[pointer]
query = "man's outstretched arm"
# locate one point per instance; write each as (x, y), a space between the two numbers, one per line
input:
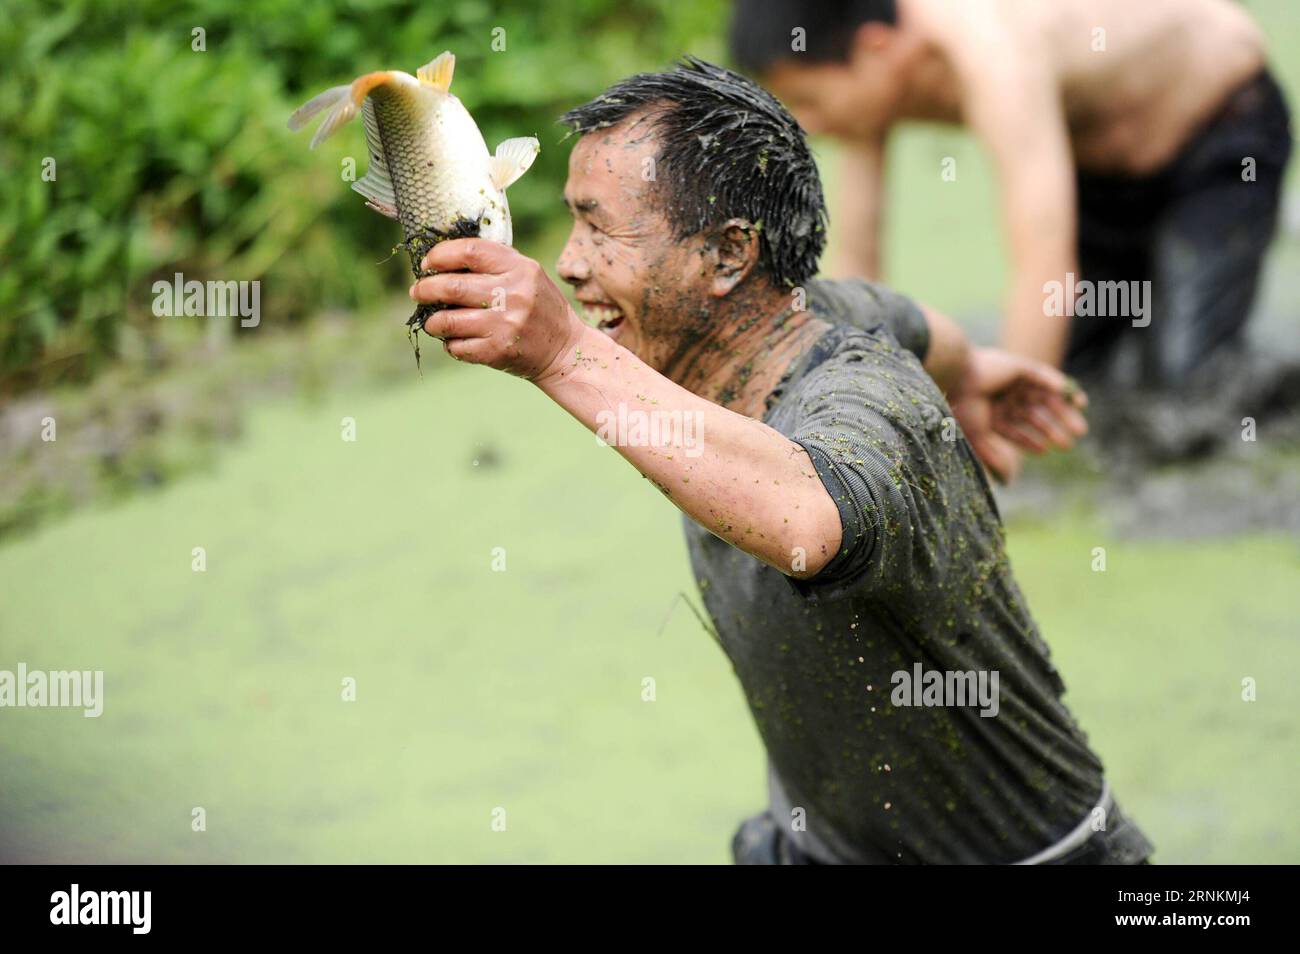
(739, 478)
(742, 480)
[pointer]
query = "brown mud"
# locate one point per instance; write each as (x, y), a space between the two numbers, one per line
(417, 246)
(1214, 461)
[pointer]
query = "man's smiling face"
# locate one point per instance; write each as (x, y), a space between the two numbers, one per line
(647, 289)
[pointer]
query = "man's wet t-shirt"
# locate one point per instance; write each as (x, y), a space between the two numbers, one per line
(921, 583)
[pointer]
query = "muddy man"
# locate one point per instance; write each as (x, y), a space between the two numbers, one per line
(837, 519)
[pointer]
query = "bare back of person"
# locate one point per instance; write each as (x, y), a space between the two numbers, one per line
(1117, 129)
(1136, 79)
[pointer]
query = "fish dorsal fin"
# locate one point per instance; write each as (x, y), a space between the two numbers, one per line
(376, 185)
(437, 72)
(513, 158)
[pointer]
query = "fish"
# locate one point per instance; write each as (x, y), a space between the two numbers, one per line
(429, 166)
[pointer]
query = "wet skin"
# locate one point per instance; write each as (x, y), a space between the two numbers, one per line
(696, 310)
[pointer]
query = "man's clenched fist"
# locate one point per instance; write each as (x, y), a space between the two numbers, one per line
(501, 308)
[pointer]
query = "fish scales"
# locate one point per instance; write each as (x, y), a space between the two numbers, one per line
(427, 191)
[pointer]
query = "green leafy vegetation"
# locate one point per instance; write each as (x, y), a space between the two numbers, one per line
(167, 158)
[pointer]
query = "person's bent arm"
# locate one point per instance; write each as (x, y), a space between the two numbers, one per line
(948, 353)
(1006, 403)
(859, 209)
(740, 479)
(1013, 103)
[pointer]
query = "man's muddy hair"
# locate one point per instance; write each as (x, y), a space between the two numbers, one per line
(727, 149)
(762, 31)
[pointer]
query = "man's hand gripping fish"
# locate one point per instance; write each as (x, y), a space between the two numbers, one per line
(429, 166)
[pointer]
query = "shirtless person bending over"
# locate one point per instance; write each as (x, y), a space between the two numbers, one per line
(1133, 142)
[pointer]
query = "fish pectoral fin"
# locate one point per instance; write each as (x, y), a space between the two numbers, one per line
(378, 189)
(382, 209)
(512, 160)
(379, 192)
(377, 184)
(437, 72)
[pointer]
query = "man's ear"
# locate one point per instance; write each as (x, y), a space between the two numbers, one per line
(871, 38)
(734, 255)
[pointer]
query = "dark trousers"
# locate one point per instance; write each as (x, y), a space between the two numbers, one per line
(1198, 231)
(761, 841)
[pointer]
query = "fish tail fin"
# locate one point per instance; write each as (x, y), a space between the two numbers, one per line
(343, 103)
(307, 110)
(341, 112)
(513, 158)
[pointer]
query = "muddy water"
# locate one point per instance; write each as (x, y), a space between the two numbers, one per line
(1213, 462)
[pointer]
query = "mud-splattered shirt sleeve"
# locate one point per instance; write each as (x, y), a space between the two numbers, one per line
(847, 421)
